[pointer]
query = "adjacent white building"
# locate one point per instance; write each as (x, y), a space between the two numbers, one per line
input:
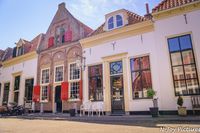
(19, 72)
(130, 54)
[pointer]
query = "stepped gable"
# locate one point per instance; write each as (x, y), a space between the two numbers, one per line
(64, 19)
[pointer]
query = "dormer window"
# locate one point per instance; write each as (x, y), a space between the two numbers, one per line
(119, 20)
(111, 23)
(19, 50)
(115, 21)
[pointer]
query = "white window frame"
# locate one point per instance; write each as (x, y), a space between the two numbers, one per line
(41, 75)
(73, 80)
(115, 21)
(17, 91)
(122, 20)
(46, 100)
(55, 73)
(44, 84)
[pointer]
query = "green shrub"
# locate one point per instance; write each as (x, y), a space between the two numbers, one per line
(151, 93)
(180, 101)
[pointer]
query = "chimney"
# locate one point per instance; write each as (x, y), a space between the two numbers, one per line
(61, 5)
(148, 14)
(147, 8)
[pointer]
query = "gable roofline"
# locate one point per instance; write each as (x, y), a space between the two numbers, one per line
(61, 6)
(133, 18)
(170, 4)
(163, 11)
(119, 33)
(29, 47)
(19, 59)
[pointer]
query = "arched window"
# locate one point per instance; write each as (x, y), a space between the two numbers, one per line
(111, 23)
(119, 20)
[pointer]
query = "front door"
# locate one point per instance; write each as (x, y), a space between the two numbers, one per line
(58, 100)
(117, 88)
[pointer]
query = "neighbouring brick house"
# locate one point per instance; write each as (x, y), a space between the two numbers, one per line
(58, 78)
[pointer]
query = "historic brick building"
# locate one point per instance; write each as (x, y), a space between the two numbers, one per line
(59, 80)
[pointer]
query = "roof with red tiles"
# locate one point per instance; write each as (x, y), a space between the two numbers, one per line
(169, 4)
(7, 54)
(133, 18)
(28, 47)
(35, 43)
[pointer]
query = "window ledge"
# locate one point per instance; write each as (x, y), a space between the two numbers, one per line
(44, 101)
(134, 99)
(74, 100)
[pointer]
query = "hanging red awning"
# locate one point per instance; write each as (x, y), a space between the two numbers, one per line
(36, 93)
(64, 91)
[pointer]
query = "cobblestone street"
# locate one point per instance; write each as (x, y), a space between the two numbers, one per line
(109, 124)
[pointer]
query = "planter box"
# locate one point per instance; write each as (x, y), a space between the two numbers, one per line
(154, 111)
(72, 112)
(182, 111)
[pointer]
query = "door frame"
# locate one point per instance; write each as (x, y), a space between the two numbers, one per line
(54, 96)
(111, 94)
(106, 81)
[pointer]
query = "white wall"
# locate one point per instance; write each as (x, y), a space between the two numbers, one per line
(135, 46)
(28, 69)
(170, 27)
(155, 44)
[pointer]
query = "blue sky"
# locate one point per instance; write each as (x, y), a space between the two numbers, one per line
(28, 18)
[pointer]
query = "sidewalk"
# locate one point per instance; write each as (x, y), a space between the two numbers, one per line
(126, 119)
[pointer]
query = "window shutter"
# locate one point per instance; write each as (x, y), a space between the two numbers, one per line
(36, 93)
(14, 51)
(80, 89)
(64, 91)
(50, 42)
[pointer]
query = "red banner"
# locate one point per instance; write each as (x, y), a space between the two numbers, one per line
(64, 91)
(51, 42)
(81, 90)
(36, 93)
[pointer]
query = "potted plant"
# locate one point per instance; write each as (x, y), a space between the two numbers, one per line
(181, 110)
(153, 110)
(72, 111)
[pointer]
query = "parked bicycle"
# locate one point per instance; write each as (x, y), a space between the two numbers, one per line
(12, 109)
